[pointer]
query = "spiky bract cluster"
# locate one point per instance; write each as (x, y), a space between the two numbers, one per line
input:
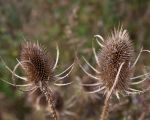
(35, 62)
(117, 49)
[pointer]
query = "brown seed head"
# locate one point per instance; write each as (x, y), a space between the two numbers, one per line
(117, 49)
(35, 62)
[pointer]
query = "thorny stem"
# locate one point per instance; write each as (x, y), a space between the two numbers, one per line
(48, 94)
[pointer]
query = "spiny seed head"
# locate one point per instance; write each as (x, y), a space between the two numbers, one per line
(35, 62)
(117, 49)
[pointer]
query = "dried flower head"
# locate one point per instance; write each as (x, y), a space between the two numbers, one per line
(117, 49)
(39, 70)
(115, 63)
(36, 63)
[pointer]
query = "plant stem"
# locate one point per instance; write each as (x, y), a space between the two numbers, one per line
(48, 94)
(105, 108)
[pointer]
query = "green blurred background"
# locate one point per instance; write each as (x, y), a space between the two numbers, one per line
(72, 24)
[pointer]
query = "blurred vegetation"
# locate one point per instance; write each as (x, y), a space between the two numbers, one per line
(72, 24)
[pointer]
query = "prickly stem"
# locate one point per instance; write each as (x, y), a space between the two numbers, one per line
(48, 94)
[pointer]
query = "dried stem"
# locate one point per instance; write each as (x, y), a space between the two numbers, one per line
(48, 94)
(105, 108)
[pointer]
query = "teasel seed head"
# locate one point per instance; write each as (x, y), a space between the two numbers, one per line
(39, 70)
(35, 62)
(117, 49)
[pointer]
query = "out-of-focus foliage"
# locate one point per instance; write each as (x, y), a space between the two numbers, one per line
(72, 24)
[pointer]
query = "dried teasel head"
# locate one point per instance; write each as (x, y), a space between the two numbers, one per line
(36, 63)
(38, 66)
(115, 64)
(39, 70)
(117, 50)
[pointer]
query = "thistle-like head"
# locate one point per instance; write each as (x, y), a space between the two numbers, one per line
(35, 62)
(117, 49)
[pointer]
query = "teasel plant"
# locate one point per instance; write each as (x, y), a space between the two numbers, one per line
(39, 71)
(115, 67)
